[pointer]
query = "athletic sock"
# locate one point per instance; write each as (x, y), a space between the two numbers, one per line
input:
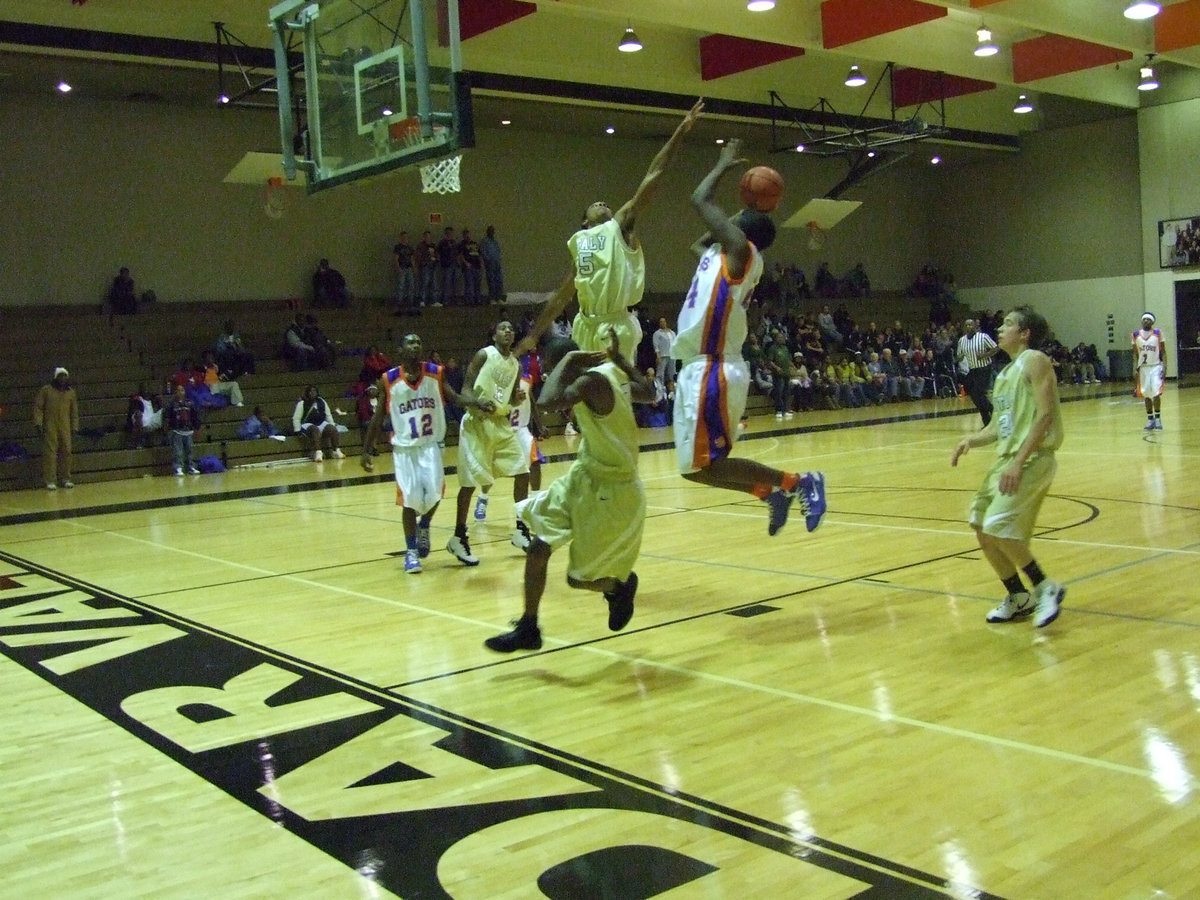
(1013, 584)
(1034, 571)
(423, 522)
(411, 542)
(791, 481)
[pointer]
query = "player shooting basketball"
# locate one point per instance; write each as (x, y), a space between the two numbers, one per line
(710, 392)
(609, 273)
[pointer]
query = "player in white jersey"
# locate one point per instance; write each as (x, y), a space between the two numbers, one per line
(413, 399)
(529, 431)
(487, 444)
(609, 270)
(1150, 363)
(710, 392)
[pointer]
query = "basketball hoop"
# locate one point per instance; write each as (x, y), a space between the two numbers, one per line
(274, 204)
(441, 177)
(816, 236)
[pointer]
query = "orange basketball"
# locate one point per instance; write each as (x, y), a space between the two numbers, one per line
(760, 188)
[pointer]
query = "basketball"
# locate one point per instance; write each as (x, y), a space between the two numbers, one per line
(760, 188)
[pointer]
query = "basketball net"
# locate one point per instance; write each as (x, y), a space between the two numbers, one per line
(274, 204)
(440, 176)
(816, 236)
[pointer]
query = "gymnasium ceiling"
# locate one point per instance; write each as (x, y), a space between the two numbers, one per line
(554, 65)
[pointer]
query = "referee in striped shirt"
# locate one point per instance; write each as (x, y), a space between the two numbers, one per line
(975, 352)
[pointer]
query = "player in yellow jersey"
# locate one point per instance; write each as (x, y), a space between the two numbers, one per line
(487, 445)
(609, 268)
(1026, 427)
(598, 506)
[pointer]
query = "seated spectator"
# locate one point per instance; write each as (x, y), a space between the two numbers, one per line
(257, 425)
(658, 413)
(375, 363)
(144, 417)
(326, 349)
(829, 331)
(1084, 368)
(887, 365)
(329, 287)
(823, 391)
(826, 285)
(854, 389)
(313, 421)
(802, 397)
(232, 355)
(856, 283)
(299, 353)
(218, 382)
(912, 383)
(121, 297)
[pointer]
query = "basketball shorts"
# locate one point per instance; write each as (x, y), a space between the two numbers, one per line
(529, 445)
(710, 397)
(1012, 516)
(488, 449)
(420, 476)
(1150, 381)
(591, 332)
(601, 519)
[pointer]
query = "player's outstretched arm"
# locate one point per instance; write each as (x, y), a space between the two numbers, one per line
(571, 383)
(641, 387)
(627, 215)
(552, 310)
(721, 228)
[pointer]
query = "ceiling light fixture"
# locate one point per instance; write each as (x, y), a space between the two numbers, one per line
(610, 130)
(855, 78)
(64, 88)
(799, 148)
(760, 5)
(1023, 106)
(1142, 9)
(629, 43)
(1148, 81)
(223, 99)
(986, 46)
(506, 121)
(935, 161)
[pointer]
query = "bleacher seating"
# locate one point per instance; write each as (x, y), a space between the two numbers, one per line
(112, 357)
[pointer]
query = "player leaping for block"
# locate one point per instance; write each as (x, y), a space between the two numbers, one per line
(609, 273)
(710, 392)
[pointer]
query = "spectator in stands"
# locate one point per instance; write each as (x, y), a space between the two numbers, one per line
(447, 260)
(364, 411)
(823, 391)
(912, 382)
(121, 296)
(56, 417)
(778, 357)
(143, 418)
(664, 366)
(218, 382)
(856, 283)
(452, 374)
(829, 331)
(313, 421)
(329, 287)
(406, 276)
(756, 362)
(855, 383)
(425, 260)
(257, 425)
(561, 327)
(182, 418)
(299, 353)
(232, 355)
(826, 285)
(375, 363)
(802, 399)
(326, 351)
(489, 249)
(471, 260)
(887, 365)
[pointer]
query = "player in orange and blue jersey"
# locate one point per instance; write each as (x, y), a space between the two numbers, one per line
(710, 392)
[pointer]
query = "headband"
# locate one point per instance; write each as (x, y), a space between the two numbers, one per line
(1149, 316)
